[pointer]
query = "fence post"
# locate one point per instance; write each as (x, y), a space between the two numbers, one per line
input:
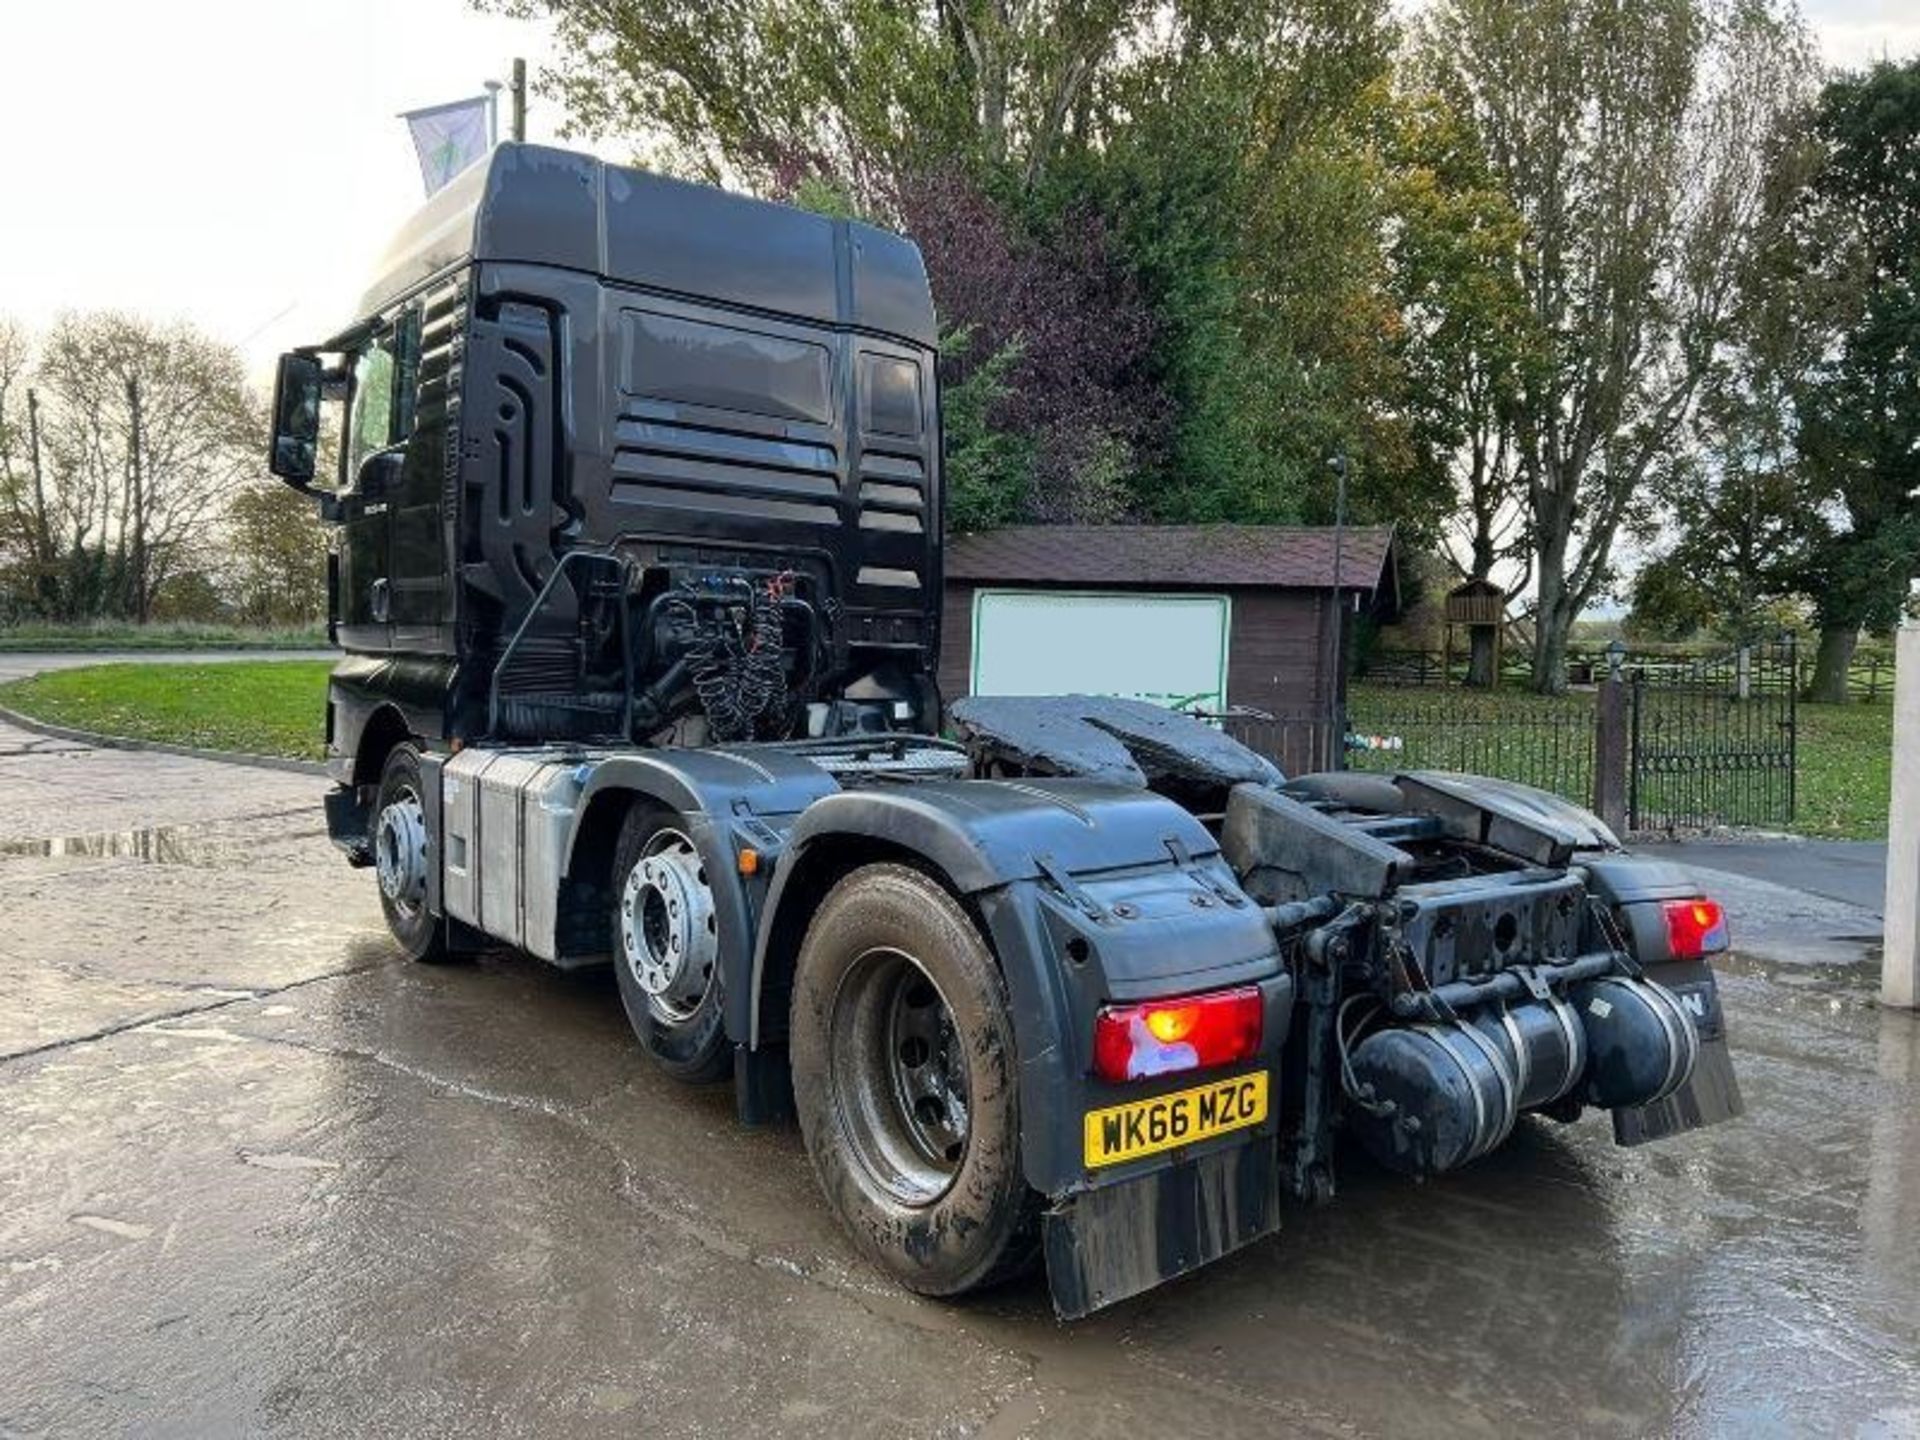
(1610, 745)
(1900, 959)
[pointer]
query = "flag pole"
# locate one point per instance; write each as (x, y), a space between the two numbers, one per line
(493, 113)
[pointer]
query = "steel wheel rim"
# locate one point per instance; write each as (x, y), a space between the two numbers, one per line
(900, 1076)
(669, 933)
(400, 852)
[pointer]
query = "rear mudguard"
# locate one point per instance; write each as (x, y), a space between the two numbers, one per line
(1634, 889)
(1089, 893)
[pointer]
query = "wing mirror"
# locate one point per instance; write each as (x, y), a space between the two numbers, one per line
(296, 419)
(298, 385)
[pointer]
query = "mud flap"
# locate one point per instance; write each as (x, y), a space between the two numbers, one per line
(347, 824)
(1709, 1096)
(1711, 1093)
(1105, 1245)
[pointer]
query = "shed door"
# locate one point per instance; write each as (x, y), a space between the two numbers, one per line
(1171, 649)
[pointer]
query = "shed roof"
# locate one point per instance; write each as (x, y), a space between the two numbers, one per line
(1299, 557)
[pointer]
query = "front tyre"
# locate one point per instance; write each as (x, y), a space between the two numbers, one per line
(400, 857)
(905, 1081)
(666, 947)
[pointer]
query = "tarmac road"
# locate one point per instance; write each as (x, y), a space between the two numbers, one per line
(259, 1175)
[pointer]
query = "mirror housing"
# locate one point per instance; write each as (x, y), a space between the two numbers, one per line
(296, 418)
(299, 384)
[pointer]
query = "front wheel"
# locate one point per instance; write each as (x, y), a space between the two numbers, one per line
(666, 947)
(905, 1081)
(400, 857)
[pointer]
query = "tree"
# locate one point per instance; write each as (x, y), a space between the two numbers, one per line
(112, 515)
(1157, 220)
(755, 90)
(1632, 138)
(277, 557)
(1055, 332)
(1240, 173)
(25, 544)
(1858, 402)
(1468, 342)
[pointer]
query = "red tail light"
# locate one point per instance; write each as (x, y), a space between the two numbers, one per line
(1695, 928)
(1164, 1037)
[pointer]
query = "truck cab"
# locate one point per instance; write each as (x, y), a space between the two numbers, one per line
(561, 354)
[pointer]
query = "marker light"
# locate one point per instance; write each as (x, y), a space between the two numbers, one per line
(1164, 1037)
(1695, 928)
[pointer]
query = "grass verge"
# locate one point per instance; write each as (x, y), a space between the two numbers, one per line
(44, 638)
(1845, 771)
(258, 707)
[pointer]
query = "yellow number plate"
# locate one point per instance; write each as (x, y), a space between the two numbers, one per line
(1145, 1127)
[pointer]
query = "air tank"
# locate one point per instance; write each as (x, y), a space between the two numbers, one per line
(1443, 1093)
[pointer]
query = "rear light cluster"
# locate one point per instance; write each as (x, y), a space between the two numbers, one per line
(1165, 1037)
(1695, 928)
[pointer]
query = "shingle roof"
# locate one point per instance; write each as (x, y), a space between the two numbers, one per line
(1286, 556)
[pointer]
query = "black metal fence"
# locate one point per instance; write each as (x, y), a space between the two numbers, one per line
(1715, 744)
(1539, 742)
(1710, 741)
(1545, 743)
(1869, 674)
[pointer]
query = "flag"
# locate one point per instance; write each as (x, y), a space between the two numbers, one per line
(450, 137)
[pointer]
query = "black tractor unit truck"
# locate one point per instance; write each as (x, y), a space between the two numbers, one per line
(637, 578)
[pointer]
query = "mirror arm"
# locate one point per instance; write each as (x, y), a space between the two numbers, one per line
(332, 512)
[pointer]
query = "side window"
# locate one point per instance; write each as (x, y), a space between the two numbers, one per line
(370, 421)
(406, 372)
(385, 376)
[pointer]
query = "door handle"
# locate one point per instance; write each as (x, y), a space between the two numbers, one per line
(382, 600)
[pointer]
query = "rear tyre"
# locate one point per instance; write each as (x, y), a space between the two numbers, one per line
(906, 1085)
(400, 857)
(666, 947)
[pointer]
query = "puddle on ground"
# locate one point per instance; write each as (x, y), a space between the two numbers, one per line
(155, 845)
(1862, 975)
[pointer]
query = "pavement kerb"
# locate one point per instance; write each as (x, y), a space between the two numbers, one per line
(162, 747)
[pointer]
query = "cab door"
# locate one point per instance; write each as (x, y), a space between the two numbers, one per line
(380, 403)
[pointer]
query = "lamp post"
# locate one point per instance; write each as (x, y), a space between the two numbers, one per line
(1337, 669)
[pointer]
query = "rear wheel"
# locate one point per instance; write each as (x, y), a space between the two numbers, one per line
(400, 857)
(906, 1086)
(666, 947)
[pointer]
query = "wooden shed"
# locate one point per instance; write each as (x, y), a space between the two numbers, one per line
(1197, 616)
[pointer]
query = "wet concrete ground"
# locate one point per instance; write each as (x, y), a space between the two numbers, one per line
(258, 1175)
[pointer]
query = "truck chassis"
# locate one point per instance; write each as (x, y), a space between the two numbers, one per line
(924, 964)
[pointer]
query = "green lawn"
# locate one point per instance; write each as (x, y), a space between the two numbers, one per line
(1845, 771)
(261, 707)
(119, 635)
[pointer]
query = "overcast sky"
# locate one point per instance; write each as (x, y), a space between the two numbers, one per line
(239, 163)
